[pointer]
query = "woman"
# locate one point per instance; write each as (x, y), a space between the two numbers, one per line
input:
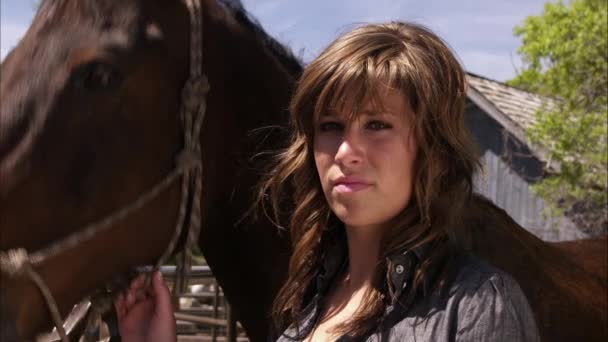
(381, 168)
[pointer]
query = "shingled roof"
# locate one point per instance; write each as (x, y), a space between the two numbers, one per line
(513, 108)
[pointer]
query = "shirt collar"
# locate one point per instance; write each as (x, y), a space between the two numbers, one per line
(334, 260)
(402, 263)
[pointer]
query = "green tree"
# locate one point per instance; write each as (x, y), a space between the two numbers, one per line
(565, 58)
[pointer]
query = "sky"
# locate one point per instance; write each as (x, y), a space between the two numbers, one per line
(480, 32)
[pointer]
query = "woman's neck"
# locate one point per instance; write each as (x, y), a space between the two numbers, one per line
(363, 255)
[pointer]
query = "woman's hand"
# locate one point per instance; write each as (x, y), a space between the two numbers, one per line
(146, 314)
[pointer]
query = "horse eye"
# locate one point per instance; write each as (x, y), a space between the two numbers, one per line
(99, 76)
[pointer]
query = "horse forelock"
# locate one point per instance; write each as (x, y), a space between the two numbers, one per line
(68, 24)
(107, 13)
(97, 10)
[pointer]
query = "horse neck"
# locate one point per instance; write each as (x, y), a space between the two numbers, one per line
(250, 90)
(242, 69)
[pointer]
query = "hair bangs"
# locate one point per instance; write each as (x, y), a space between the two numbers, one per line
(349, 90)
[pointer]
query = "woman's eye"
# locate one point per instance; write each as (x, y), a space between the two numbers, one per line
(330, 126)
(377, 125)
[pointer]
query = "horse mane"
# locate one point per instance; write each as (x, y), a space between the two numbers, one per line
(282, 52)
(102, 13)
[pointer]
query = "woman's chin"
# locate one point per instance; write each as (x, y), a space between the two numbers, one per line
(355, 220)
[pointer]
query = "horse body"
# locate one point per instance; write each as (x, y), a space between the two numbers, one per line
(89, 121)
(564, 282)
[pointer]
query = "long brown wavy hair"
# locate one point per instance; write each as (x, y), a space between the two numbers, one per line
(352, 69)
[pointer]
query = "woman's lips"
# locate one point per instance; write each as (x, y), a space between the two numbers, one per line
(350, 187)
(346, 184)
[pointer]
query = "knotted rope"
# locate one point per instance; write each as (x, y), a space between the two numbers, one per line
(194, 105)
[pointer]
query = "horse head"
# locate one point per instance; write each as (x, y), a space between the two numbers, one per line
(89, 121)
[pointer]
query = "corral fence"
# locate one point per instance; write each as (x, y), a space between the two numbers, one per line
(202, 312)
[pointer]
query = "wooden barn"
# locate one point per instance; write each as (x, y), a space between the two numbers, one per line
(497, 114)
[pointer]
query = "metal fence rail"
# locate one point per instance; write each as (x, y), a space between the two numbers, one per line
(203, 314)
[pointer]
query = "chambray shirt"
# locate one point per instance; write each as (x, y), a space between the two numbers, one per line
(482, 303)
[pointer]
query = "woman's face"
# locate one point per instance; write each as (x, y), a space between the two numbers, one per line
(366, 166)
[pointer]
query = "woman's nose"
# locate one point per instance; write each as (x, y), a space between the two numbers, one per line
(350, 150)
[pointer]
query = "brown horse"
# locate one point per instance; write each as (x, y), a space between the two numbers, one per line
(89, 121)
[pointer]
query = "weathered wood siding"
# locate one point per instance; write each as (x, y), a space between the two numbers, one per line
(509, 170)
(513, 194)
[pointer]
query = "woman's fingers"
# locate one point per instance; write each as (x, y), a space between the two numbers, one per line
(129, 298)
(119, 306)
(161, 291)
(135, 293)
(138, 282)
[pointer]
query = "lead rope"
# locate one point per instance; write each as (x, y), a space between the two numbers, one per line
(194, 105)
(189, 165)
(193, 114)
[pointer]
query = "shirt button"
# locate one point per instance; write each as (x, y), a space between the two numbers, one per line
(399, 269)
